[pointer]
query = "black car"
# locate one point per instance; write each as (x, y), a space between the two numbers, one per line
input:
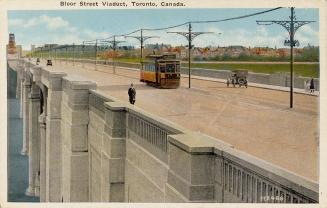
(238, 78)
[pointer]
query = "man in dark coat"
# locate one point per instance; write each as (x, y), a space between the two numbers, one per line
(312, 86)
(132, 94)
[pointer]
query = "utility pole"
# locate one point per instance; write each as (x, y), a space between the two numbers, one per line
(82, 54)
(142, 39)
(190, 36)
(114, 43)
(291, 26)
(66, 53)
(73, 54)
(96, 53)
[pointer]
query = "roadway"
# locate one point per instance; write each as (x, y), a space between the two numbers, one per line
(254, 120)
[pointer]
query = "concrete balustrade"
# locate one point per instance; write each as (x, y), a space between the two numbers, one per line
(87, 146)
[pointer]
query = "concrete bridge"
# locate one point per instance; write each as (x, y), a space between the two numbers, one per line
(85, 146)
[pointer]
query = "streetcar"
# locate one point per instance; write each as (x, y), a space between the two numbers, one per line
(162, 71)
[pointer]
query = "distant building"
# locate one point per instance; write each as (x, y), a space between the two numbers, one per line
(11, 47)
(13, 51)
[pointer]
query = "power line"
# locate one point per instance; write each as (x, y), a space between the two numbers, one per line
(239, 17)
(199, 22)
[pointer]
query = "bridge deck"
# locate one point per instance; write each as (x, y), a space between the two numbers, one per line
(257, 121)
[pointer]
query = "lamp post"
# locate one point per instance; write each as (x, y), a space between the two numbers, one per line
(291, 26)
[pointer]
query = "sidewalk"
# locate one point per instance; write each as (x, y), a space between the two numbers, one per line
(271, 87)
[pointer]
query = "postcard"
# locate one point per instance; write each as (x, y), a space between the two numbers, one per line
(163, 103)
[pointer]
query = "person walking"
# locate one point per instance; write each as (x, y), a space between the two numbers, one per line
(132, 94)
(312, 86)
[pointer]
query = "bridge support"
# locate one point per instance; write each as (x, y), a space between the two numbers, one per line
(75, 155)
(43, 171)
(34, 158)
(53, 139)
(25, 101)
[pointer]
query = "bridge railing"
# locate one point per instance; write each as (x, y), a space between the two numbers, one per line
(151, 132)
(236, 176)
(177, 164)
(249, 179)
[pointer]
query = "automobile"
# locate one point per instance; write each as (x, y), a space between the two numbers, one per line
(238, 77)
(49, 62)
(37, 61)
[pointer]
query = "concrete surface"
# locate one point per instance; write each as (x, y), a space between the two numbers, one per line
(255, 120)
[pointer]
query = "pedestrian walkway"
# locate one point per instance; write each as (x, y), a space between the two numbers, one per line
(17, 164)
(265, 86)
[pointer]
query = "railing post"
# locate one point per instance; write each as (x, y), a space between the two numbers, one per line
(113, 152)
(191, 170)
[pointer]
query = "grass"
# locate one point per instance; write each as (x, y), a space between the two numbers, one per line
(305, 70)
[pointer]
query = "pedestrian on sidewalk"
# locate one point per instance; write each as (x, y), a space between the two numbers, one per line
(306, 85)
(132, 94)
(312, 85)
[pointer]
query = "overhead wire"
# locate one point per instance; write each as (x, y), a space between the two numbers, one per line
(185, 23)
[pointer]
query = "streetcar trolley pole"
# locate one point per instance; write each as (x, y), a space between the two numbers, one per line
(291, 26)
(190, 36)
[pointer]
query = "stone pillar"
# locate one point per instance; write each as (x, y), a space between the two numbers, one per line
(25, 101)
(75, 156)
(53, 138)
(21, 103)
(34, 162)
(42, 119)
(113, 153)
(19, 70)
(191, 170)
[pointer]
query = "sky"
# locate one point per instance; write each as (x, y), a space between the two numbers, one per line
(75, 26)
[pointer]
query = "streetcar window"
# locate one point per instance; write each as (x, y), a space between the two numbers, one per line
(170, 68)
(178, 69)
(149, 67)
(162, 68)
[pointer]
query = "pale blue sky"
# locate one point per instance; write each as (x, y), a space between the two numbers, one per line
(74, 26)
